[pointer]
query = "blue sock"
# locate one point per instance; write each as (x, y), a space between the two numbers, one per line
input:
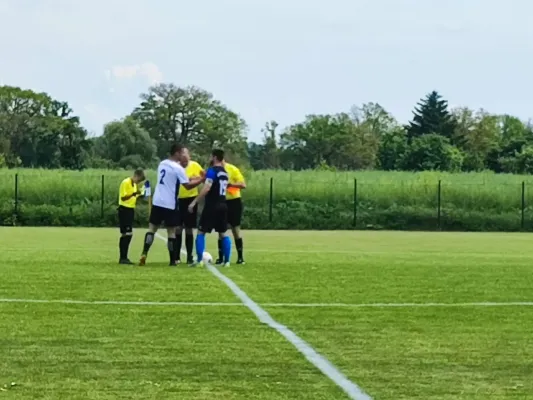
(226, 248)
(200, 246)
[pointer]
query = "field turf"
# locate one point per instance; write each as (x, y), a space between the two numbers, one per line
(423, 342)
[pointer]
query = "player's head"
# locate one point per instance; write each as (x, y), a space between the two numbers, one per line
(185, 157)
(138, 176)
(217, 156)
(178, 152)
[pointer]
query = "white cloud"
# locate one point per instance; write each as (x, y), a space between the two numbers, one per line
(148, 70)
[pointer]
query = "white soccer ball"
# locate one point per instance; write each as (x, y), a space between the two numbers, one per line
(207, 258)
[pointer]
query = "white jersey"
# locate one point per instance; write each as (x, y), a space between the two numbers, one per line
(170, 175)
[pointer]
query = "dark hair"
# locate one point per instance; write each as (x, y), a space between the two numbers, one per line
(218, 154)
(176, 148)
(139, 172)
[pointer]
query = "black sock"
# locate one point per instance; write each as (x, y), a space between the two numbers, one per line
(179, 239)
(171, 245)
(238, 246)
(220, 251)
(127, 241)
(148, 240)
(121, 246)
(189, 244)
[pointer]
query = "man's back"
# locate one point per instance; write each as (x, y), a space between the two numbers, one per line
(218, 177)
(170, 175)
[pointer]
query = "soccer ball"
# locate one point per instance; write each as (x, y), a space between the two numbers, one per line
(207, 259)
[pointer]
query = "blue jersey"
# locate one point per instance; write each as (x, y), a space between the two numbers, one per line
(218, 177)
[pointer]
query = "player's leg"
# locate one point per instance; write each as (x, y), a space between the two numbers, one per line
(190, 224)
(230, 208)
(156, 218)
(179, 240)
(172, 218)
(234, 220)
(125, 218)
(179, 230)
(221, 226)
(204, 226)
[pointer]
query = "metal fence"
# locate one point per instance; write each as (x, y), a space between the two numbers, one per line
(276, 203)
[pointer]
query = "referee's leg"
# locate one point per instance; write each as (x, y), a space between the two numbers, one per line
(125, 218)
(234, 219)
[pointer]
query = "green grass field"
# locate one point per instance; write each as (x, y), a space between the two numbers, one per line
(325, 286)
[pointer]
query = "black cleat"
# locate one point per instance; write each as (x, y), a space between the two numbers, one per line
(125, 261)
(173, 264)
(219, 261)
(240, 261)
(190, 261)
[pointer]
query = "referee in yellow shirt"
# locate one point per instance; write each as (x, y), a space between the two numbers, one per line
(235, 209)
(127, 199)
(188, 220)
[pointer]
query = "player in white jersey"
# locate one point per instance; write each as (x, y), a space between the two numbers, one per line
(170, 175)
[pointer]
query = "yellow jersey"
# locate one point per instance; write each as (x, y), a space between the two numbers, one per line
(127, 187)
(193, 170)
(235, 176)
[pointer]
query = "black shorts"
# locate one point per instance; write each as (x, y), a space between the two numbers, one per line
(214, 217)
(158, 215)
(125, 219)
(234, 212)
(187, 219)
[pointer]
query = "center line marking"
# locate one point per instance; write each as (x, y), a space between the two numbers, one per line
(353, 391)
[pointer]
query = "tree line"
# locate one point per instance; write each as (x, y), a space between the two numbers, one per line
(39, 131)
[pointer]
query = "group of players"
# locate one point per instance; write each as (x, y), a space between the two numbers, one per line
(175, 203)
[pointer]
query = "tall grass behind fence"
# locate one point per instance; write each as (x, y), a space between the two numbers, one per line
(292, 200)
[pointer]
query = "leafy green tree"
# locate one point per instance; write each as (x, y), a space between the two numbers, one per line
(190, 116)
(270, 154)
(432, 152)
(375, 117)
(334, 140)
(521, 162)
(431, 116)
(392, 149)
(477, 134)
(38, 131)
(255, 153)
(513, 136)
(126, 144)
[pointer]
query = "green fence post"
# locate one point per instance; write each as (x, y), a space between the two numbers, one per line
(16, 209)
(523, 220)
(271, 200)
(355, 202)
(102, 199)
(439, 191)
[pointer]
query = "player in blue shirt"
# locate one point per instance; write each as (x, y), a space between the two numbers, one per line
(215, 212)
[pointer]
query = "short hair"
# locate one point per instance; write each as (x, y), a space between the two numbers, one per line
(176, 148)
(218, 154)
(139, 172)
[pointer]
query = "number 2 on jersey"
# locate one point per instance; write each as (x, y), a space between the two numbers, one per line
(163, 173)
(223, 187)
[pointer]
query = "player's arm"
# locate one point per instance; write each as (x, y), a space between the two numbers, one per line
(239, 181)
(185, 181)
(210, 176)
(193, 183)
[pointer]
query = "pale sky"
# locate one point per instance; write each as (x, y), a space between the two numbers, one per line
(272, 59)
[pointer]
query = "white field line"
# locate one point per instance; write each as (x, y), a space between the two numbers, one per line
(278, 305)
(353, 391)
(399, 305)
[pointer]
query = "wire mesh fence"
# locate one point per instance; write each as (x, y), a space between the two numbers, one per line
(277, 203)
